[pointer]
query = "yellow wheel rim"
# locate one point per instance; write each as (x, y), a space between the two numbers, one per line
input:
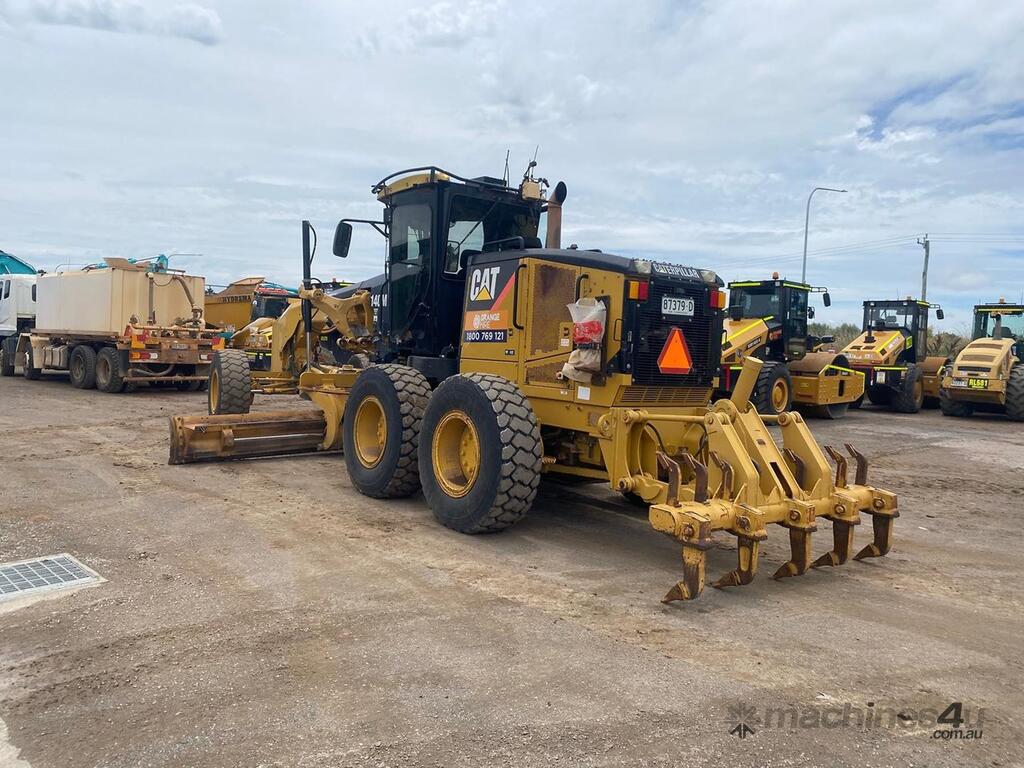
(780, 395)
(456, 454)
(370, 432)
(214, 391)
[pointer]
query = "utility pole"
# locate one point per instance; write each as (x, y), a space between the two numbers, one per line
(926, 244)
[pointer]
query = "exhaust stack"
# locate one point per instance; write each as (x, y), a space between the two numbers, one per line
(553, 238)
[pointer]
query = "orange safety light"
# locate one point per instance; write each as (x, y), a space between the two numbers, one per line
(675, 355)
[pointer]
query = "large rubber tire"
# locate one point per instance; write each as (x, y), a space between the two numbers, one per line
(381, 430)
(910, 396)
(109, 377)
(1015, 393)
(506, 460)
(230, 387)
(773, 391)
(31, 372)
(856, 404)
(879, 395)
(82, 367)
(7, 355)
(951, 407)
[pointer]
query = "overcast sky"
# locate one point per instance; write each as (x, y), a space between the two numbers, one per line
(685, 131)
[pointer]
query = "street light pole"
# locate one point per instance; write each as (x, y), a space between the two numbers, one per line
(807, 224)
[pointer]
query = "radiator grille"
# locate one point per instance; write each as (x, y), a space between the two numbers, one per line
(652, 396)
(651, 331)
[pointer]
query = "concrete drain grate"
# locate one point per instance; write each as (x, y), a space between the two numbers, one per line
(43, 574)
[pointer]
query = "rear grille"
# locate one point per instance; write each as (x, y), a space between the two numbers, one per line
(652, 396)
(650, 331)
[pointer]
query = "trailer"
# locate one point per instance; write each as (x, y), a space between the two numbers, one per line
(115, 327)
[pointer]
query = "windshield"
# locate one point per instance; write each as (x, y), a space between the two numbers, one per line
(888, 318)
(1009, 325)
(755, 302)
(472, 222)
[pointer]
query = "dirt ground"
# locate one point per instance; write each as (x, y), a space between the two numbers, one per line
(262, 613)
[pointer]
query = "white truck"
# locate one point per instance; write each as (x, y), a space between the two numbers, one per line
(116, 326)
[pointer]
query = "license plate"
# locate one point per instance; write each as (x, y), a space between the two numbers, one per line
(179, 346)
(959, 382)
(673, 305)
(977, 383)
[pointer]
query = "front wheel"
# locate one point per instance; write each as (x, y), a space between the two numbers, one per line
(773, 392)
(480, 453)
(230, 383)
(7, 353)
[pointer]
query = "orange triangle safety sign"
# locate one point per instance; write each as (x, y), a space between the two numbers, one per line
(675, 355)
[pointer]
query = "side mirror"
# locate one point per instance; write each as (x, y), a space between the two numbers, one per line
(826, 299)
(342, 239)
(810, 313)
(939, 314)
(736, 312)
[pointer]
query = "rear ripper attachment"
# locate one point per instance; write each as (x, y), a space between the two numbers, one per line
(744, 482)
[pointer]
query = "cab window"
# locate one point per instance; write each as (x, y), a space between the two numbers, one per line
(472, 222)
(411, 231)
(7, 288)
(755, 303)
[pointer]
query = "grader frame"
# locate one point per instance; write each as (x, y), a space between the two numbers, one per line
(479, 438)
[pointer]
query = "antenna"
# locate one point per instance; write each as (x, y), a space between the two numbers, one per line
(505, 177)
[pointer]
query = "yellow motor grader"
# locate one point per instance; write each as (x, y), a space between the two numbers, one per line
(988, 374)
(768, 320)
(891, 352)
(286, 346)
(499, 360)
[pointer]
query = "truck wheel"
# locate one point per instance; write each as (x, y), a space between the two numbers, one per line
(7, 354)
(31, 372)
(230, 389)
(381, 430)
(1015, 393)
(879, 395)
(951, 407)
(773, 392)
(910, 396)
(108, 371)
(82, 367)
(480, 453)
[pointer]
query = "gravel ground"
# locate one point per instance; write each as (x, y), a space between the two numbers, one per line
(262, 613)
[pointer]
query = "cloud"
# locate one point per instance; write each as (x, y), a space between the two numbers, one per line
(440, 25)
(184, 20)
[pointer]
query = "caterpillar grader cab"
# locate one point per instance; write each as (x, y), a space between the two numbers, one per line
(768, 320)
(497, 361)
(892, 354)
(988, 374)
